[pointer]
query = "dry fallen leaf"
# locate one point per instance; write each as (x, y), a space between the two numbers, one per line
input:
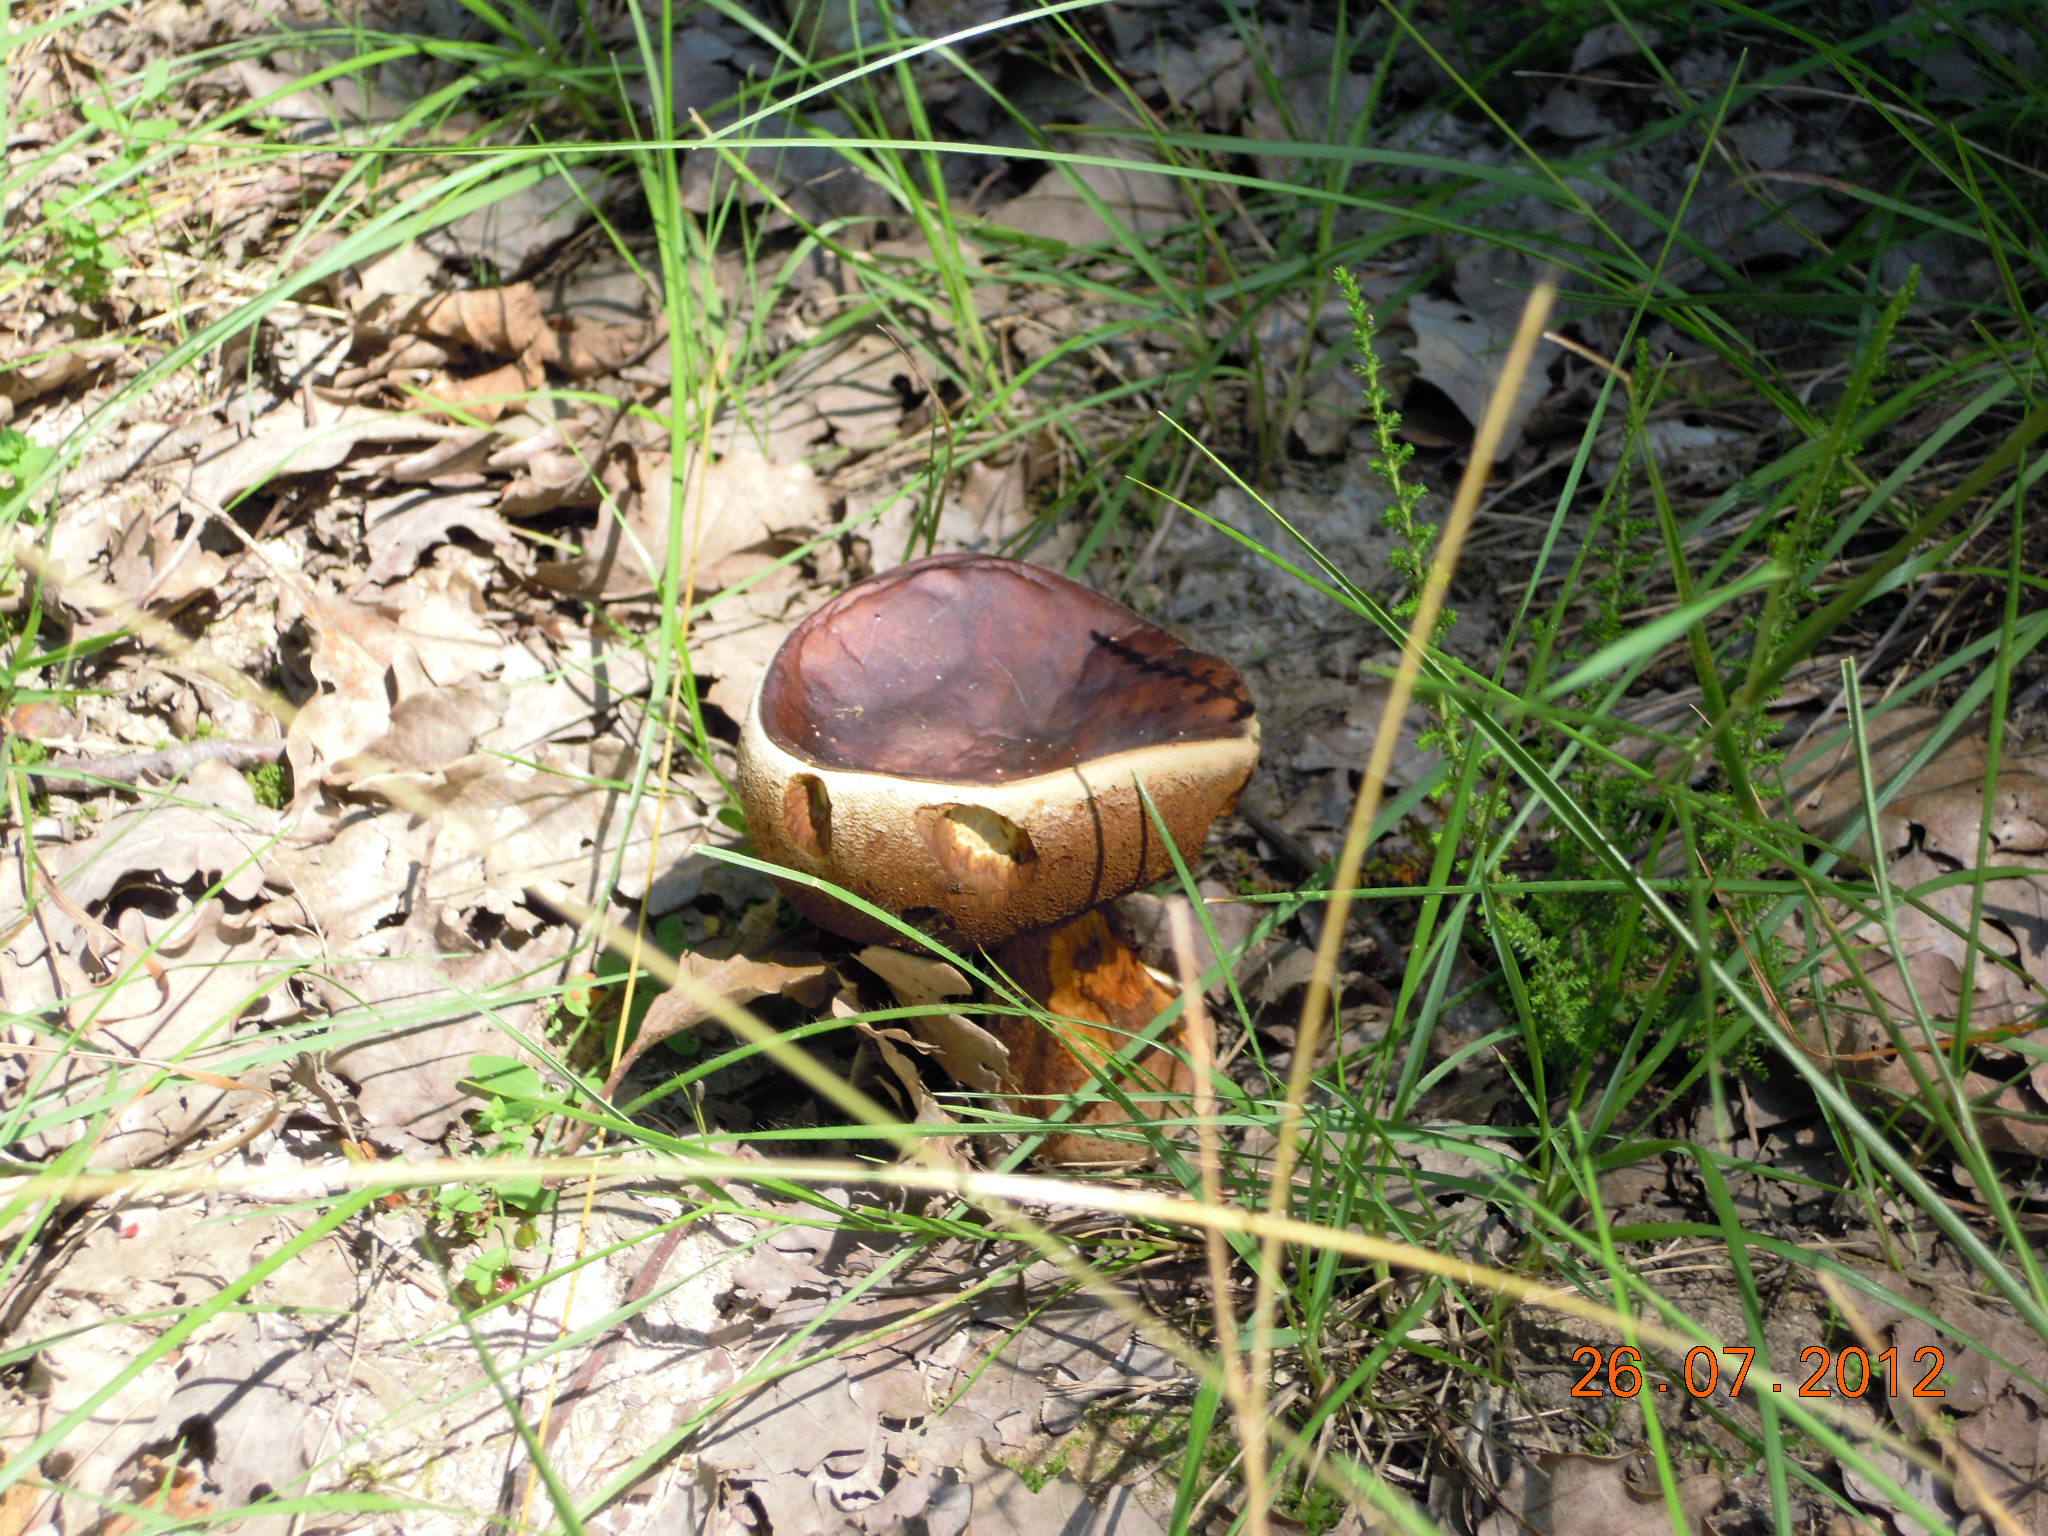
(242, 1421)
(1998, 1416)
(1874, 990)
(414, 1001)
(218, 972)
(399, 529)
(431, 630)
(1056, 208)
(296, 441)
(972, 1056)
(1005, 1505)
(1463, 353)
(738, 515)
(738, 979)
(1567, 1494)
(213, 829)
(513, 322)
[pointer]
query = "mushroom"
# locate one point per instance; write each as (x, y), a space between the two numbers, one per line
(959, 742)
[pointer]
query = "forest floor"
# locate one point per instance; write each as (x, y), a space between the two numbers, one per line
(418, 431)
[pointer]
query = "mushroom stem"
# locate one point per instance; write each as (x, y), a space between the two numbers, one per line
(1100, 994)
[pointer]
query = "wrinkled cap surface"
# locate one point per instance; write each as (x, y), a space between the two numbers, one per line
(974, 669)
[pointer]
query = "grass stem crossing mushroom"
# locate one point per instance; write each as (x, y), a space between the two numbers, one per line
(960, 741)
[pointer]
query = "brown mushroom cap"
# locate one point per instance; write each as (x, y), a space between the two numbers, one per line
(959, 741)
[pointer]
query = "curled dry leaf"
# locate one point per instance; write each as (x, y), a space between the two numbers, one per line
(738, 979)
(212, 830)
(41, 354)
(296, 440)
(553, 824)
(243, 1414)
(1878, 981)
(972, 1056)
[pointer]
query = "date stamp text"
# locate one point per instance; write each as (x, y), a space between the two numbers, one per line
(1848, 1372)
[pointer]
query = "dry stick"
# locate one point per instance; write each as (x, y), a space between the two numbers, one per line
(1202, 1057)
(168, 762)
(1344, 879)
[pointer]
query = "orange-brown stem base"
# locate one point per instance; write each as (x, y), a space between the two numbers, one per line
(1099, 994)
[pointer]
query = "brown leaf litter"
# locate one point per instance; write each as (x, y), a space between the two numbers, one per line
(1987, 1426)
(1874, 991)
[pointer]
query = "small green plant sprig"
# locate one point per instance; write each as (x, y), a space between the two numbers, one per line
(1390, 457)
(500, 1220)
(84, 225)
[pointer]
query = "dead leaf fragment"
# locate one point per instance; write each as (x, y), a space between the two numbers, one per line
(972, 1056)
(408, 1072)
(513, 322)
(738, 515)
(1463, 353)
(1567, 1494)
(1878, 980)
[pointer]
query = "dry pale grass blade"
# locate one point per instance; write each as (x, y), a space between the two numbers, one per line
(1315, 1006)
(1202, 1058)
(1001, 1195)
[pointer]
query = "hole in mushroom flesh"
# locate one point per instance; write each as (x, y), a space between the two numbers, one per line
(807, 815)
(980, 850)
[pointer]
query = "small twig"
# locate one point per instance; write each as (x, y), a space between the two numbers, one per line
(166, 762)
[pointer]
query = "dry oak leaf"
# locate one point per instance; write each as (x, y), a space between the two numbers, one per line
(208, 828)
(735, 642)
(1005, 1505)
(553, 823)
(1075, 205)
(218, 974)
(1463, 354)
(56, 353)
(405, 1025)
(511, 322)
(398, 530)
(126, 550)
(1876, 980)
(243, 1419)
(1990, 1386)
(431, 630)
(738, 979)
